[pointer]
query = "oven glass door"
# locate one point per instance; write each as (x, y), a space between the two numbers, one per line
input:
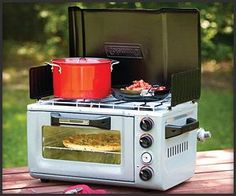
(82, 145)
(77, 143)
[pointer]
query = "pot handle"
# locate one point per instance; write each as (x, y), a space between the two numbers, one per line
(82, 59)
(54, 65)
(114, 62)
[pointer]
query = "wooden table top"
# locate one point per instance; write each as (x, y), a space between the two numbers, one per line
(213, 174)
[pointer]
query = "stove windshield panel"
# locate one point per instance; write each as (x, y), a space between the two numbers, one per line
(77, 143)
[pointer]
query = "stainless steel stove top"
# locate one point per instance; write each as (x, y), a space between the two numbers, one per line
(108, 102)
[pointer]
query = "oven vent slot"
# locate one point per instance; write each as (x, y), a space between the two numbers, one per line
(177, 149)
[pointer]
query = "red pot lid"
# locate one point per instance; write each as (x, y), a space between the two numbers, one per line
(81, 60)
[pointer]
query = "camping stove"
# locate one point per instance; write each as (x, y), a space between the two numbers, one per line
(121, 139)
(157, 144)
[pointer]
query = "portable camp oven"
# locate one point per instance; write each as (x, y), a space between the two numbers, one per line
(141, 142)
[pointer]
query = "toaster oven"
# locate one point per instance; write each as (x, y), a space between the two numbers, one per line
(157, 149)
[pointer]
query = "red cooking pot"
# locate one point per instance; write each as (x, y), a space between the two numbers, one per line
(82, 78)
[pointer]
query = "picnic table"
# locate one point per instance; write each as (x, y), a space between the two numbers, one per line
(213, 174)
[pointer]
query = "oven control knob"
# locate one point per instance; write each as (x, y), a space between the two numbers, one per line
(145, 141)
(146, 124)
(145, 174)
(146, 158)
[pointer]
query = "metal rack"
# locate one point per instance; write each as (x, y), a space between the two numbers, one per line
(71, 149)
(109, 102)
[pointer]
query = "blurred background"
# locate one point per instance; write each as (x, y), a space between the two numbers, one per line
(37, 32)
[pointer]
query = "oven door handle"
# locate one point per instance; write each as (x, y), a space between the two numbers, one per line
(99, 121)
(175, 130)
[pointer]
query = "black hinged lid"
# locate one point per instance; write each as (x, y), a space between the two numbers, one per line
(152, 45)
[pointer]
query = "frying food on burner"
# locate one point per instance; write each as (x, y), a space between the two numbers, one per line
(139, 85)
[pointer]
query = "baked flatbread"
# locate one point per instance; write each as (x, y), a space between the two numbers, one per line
(94, 142)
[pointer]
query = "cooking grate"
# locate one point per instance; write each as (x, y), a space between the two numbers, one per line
(109, 102)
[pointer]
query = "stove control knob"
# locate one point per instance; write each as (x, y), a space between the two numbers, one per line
(146, 124)
(146, 158)
(145, 174)
(145, 141)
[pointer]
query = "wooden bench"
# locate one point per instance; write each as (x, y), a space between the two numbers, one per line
(213, 174)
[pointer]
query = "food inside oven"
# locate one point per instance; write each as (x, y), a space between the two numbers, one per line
(82, 144)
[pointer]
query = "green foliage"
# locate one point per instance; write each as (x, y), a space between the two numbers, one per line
(20, 22)
(55, 28)
(25, 55)
(216, 30)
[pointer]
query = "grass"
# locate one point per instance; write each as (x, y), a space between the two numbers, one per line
(216, 115)
(14, 127)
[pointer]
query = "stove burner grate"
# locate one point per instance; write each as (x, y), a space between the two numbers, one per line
(108, 102)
